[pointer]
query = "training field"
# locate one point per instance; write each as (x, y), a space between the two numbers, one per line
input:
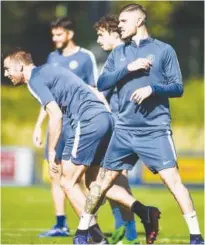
(28, 211)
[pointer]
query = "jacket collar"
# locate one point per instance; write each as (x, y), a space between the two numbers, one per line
(142, 42)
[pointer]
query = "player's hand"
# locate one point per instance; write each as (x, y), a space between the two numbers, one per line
(54, 167)
(37, 140)
(51, 159)
(138, 64)
(141, 94)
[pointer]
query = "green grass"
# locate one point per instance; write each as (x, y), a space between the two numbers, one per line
(26, 212)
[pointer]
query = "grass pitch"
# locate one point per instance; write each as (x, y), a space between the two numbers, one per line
(28, 211)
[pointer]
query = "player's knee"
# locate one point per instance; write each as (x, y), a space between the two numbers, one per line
(180, 188)
(175, 184)
(54, 177)
(55, 173)
(67, 185)
(105, 177)
(106, 185)
(62, 182)
(69, 182)
(110, 179)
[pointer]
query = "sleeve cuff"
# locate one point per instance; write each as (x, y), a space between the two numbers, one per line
(125, 70)
(153, 89)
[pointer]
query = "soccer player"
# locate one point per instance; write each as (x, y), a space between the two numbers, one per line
(82, 62)
(109, 38)
(147, 73)
(67, 54)
(60, 91)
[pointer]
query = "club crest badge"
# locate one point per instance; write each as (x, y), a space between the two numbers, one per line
(151, 57)
(73, 64)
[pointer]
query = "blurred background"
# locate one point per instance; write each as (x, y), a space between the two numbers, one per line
(26, 24)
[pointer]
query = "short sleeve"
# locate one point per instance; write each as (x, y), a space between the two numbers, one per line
(90, 69)
(40, 91)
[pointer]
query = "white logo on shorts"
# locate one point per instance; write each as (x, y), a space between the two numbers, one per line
(165, 163)
(73, 64)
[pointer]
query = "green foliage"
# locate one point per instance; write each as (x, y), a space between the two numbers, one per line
(18, 104)
(159, 15)
(189, 110)
(20, 111)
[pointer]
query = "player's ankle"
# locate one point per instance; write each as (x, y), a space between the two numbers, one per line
(96, 233)
(195, 236)
(192, 223)
(139, 209)
(81, 232)
(130, 230)
(85, 221)
(61, 220)
(118, 217)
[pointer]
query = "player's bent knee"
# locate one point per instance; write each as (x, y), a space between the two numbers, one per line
(67, 185)
(106, 176)
(73, 172)
(105, 186)
(54, 177)
(174, 183)
(179, 187)
(170, 176)
(62, 182)
(110, 178)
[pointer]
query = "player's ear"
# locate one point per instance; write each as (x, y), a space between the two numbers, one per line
(116, 35)
(21, 66)
(70, 34)
(141, 21)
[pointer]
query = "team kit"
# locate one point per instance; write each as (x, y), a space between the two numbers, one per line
(100, 125)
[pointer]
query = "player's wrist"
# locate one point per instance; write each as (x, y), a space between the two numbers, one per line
(152, 88)
(51, 155)
(130, 67)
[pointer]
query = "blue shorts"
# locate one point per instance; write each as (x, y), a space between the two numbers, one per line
(66, 136)
(156, 150)
(90, 141)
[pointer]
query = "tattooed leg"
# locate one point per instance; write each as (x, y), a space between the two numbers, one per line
(98, 189)
(93, 198)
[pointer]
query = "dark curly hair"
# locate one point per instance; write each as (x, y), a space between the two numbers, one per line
(109, 23)
(63, 22)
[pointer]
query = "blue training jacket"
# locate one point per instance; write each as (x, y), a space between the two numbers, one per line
(164, 77)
